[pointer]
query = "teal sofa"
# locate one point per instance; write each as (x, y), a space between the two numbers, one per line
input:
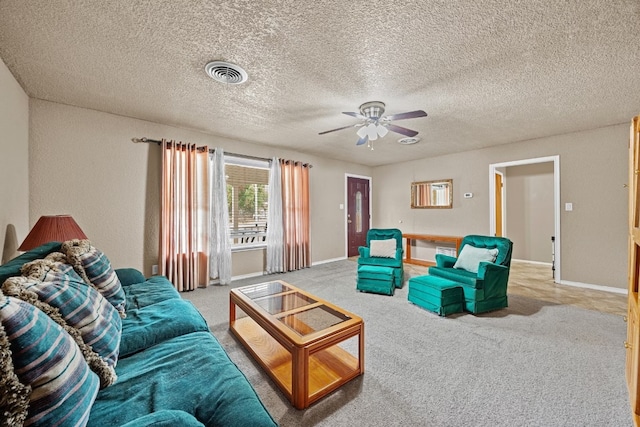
(486, 289)
(171, 371)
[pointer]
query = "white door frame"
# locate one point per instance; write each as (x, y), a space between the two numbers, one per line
(503, 204)
(345, 207)
(556, 201)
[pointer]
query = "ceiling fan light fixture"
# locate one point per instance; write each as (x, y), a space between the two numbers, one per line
(376, 125)
(372, 132)
(372, 109)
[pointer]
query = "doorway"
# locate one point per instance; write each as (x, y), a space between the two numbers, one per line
(499, 168)
(358, 212)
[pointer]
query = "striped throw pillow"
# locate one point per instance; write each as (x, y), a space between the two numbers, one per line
(95, 268)
(14, 396)
(15, 287)
(46, 359)
(81, 306)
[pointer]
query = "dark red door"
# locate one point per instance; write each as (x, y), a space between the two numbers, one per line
(357, 213)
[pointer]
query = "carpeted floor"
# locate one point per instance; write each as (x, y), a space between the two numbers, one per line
(533, 364)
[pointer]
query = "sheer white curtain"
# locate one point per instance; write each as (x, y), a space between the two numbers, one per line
(220, 249)
(275, 233)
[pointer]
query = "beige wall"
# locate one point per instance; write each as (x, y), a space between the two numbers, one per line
(84, 163)
(529, 210)
(593, 170)
(14, 163)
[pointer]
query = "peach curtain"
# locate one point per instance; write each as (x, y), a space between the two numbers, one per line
(295, 214)
(185, 211)
(424, 197)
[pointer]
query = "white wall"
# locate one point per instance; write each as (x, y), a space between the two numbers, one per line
(14, 163)
(84, 163)
(593, 170)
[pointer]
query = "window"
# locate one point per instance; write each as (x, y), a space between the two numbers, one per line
(359, 211)
(248, 200)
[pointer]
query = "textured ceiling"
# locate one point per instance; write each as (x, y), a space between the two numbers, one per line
(487, 72)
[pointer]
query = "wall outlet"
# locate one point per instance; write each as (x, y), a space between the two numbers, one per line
(568, 207)
(154, 269)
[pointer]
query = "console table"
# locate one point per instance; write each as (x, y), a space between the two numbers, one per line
(427, 237)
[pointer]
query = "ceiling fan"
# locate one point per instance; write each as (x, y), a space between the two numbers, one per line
(375, 125)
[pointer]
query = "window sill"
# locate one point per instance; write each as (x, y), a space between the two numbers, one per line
(247, 247)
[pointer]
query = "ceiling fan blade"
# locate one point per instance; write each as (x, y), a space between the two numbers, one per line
(356, 115)
(344, 127)
(362, 140)
(409, 115)
(401, 130)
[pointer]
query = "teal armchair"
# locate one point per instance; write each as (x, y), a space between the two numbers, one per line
(486, 289)
(395, 263)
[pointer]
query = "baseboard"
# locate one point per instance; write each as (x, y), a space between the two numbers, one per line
(595, 287)
(532, 262)
(247, 276)
(562, 282)
(243, 276)
(264, 273)
(326, 261)
(578, 284)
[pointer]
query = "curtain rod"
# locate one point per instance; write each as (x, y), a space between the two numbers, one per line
(157, 141)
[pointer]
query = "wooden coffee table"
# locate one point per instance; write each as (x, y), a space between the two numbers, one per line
(308, 346)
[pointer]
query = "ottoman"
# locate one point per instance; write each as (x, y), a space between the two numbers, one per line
(376, 279)
(436, 294)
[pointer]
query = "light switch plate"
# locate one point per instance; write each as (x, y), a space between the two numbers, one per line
(568, 207)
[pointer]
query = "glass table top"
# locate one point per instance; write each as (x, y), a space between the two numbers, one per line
(264, 289)
(277, 297)
(313, 320)
(275, 304)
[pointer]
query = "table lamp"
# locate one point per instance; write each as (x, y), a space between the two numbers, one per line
(52, 228)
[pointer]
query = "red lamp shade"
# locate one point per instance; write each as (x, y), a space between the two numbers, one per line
(52, 228)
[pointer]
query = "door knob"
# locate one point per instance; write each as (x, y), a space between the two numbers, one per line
(348, 221)
(627, 345)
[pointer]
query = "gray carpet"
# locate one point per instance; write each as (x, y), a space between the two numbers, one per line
(532, 364)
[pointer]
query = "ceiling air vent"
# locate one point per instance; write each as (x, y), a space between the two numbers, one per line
(226, 72)
(408, 140)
